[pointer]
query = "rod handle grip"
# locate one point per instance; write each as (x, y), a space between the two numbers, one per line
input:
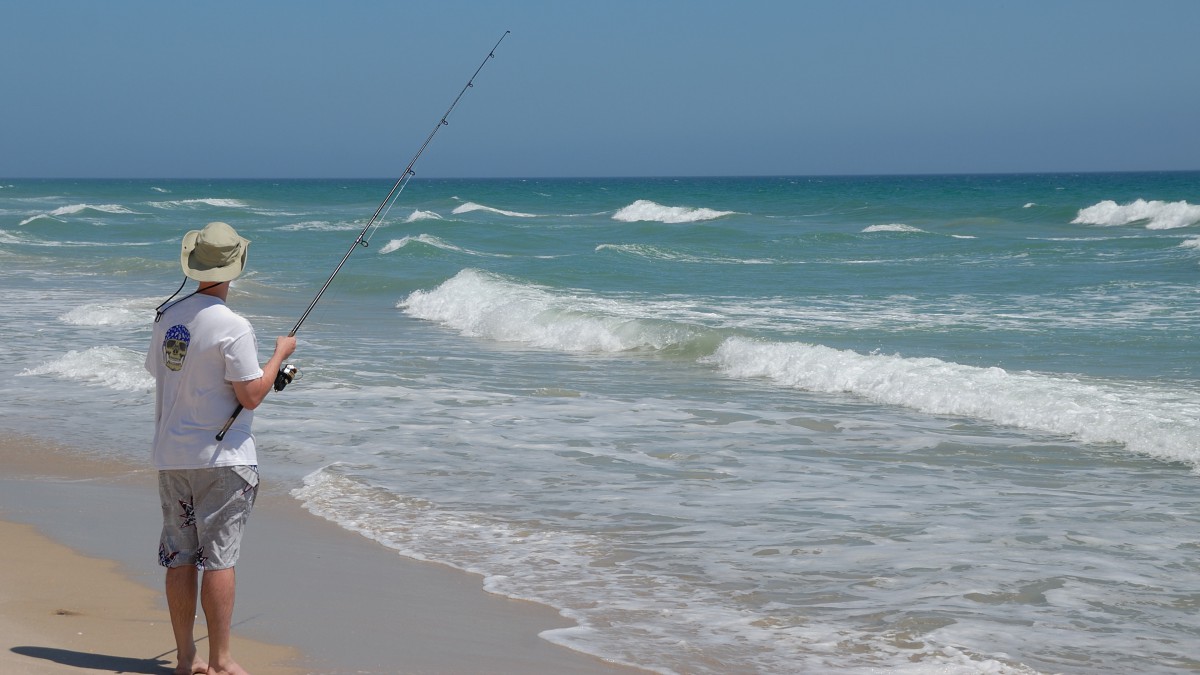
(229, 422)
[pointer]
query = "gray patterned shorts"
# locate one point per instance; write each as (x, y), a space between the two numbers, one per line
(204, 514)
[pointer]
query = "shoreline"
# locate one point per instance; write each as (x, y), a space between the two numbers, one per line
(94, 521)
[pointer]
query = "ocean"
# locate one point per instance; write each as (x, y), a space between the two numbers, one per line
(909, 424)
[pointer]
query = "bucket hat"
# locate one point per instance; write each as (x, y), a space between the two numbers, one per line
(215, 253)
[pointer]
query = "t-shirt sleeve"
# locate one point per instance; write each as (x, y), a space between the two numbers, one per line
(241, 358)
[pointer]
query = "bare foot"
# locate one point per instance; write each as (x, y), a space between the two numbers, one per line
(227, 668)
(197, 667)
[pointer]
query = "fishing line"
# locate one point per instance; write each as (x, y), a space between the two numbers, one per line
(289, 372)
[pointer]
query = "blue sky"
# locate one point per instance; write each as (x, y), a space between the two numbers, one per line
(602, 88)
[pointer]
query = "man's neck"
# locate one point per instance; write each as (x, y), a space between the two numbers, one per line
(220, 290)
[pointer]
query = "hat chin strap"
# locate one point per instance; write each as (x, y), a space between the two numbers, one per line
(158, 311)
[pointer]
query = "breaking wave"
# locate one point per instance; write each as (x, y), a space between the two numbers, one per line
(1158, 215)
(1158, 421)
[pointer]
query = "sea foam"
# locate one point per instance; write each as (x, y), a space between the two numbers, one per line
(135, 312)
(646, 210)
(1158, 215)
(113, 367)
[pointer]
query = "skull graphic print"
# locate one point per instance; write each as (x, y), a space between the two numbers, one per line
(175, 346)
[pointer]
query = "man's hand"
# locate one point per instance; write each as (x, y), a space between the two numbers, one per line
(252, 392)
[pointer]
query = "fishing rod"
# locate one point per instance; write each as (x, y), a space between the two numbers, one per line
(289, 372)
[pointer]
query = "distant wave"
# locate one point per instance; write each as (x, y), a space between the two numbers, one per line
(658, 253)
(1190, 243)
(892, 227)
(7, 237)
(112, 367)
(418, 215)
(78, 208)
(1158, 215)
(645, 210)
(209, 201)
(429, 240)
(319, 226)
(472, 206)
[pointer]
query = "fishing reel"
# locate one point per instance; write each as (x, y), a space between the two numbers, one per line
(286, 374)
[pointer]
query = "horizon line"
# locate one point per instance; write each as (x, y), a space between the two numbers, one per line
(624, 177)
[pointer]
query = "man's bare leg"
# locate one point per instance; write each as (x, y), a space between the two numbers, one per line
(217, 592)
(181, 602)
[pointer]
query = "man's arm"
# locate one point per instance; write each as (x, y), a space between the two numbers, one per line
(252, 392)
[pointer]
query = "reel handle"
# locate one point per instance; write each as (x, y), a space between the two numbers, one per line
(285, 376)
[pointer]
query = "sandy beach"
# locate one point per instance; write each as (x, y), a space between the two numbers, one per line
(80, 587)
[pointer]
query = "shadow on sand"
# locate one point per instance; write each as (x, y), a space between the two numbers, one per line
(102, 662)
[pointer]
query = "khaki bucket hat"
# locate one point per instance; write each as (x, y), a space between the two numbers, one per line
(215, 253)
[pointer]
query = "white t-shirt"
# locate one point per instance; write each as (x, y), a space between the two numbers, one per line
(199, 348)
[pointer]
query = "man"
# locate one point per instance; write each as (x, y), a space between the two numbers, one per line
(204, 359)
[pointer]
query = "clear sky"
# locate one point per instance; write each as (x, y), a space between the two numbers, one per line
(350, 88)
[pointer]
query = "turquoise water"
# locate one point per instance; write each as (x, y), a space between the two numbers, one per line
(921, 424)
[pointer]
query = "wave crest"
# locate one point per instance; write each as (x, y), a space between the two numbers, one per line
(892, 227)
